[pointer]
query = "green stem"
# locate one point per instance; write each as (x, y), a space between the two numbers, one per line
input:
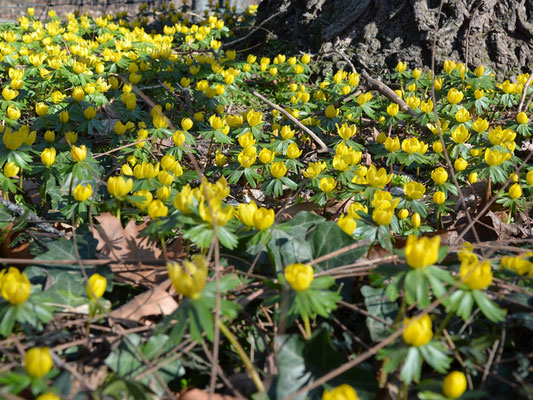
(21, 179)
(118, 209)
(444, 324)
(71, 184)
(244, 357)
(164, 247)
(307, 326)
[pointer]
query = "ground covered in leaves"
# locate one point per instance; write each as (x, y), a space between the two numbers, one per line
(182, 219)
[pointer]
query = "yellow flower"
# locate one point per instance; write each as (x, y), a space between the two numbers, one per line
(78, 94)
(414, 190)
(449, 66)
(480, 125)
(48, 396)
(189, 280)
(383, 214)
(90, 113)
(401, 66)
(342, 392)
(454, 384)
(119, 187)
(347, 224)
(247, 157)
(96, 286)
(49, 136)
(13, 112)
(462, 115)
(529, 178)
(331, 111)
(472, 178)
(221, 159)
(299, 276)
(460, 164)
(64, 117)
(327, 184)
(416, 73)
(78, 154)
(515, 191)
(345, 131)
(246, 140)
(41, 109)
(439, 175)
(9, 94)
(157, 209)
(377, 178)
(82, 193)
(427, 106)
(263, 218)
(420, 253)
(38, 362)
(220, 215)
(418, 331)
(10, 169)
(141, 205)
(392, 144)
(293, 151)
(48, 156)
(393, 109)
(415, 220)
(15, 286)
(454, 96)
(266, 156)
(460, 134)
(439, 197)
(254, 118)
(522, 118)
(495, 157)
(402, 214)
(245, 213)
(278, 169)
(476, 275)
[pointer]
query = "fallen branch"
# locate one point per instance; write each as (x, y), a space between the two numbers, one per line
(31, 217)
(323, 147)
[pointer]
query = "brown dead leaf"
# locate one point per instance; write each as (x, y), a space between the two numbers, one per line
(155, 301)
(120, 243)
(291, 211)
(198, 394)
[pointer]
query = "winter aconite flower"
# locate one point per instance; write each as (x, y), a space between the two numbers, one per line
(48, 156)
(188, 279)
(439, 175)
(263, 218)
(82, 193)
(299, 276)
(347, 224)
(414, 190)
(278, 169)
(420, 253)
(515, 191)
(327, 184)
(377, 178)
(342, 392)
(78, 154)
(96, 286)
(38, 362)
(119, 187)
(418, 331)
(476, 275)
(15, 287)
(454, 385)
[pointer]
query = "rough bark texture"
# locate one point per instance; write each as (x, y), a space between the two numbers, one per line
(381, 32)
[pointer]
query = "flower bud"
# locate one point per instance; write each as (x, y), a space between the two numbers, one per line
(96, 286)
(82, 193)
(48, 156)
(454, 384)
(38, 362)
(299, 276)
(417, 331)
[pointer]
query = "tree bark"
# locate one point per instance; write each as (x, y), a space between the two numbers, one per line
(379, 33)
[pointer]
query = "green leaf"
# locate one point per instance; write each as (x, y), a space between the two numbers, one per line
(464, 308)
(379, 306)
(412, 366)
(416, 288)
(488, 307)
(435, 356)
(327, 238)
(8, 314)
(227, 238)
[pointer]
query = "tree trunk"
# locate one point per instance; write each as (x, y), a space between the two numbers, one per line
(379, 33)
